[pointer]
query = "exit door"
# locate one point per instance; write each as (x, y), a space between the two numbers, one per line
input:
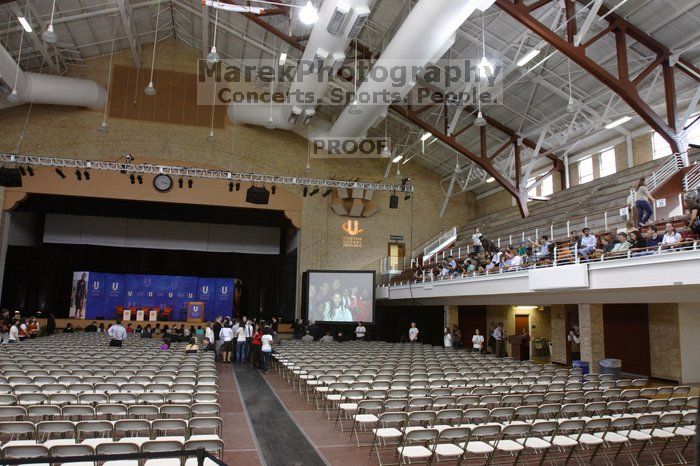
(397, 252)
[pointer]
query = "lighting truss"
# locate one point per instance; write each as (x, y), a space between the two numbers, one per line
(193, 172)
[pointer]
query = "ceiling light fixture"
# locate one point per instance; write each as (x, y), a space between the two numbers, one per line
(490, 180)
(480, 120)
(213, 57)
(25, 24)
(426, 136)
(49, 35)
(283, 58)
(309, 14)
(397, 159)
(150, 89)
(571, 106)
(528, 57)
(618, 122)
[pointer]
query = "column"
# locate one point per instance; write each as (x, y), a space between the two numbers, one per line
(558, 325)
(4, 233)
(451, 316)
(590, 321)
(689, 329)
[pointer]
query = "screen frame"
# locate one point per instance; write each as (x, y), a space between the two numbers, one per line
(305, 295)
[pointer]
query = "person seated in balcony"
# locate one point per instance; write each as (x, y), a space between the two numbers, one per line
(528, 258)
(469, 266)
(638, 244)
(444, 271)
(516, 261)
(587, 244)
(451, 262)
(522, 248)
(622, 245)
(671, 237)
(541, 247)
(574, 237)
(654, 239)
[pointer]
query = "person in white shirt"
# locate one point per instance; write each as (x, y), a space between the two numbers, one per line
(588, 243)
(209, 333)
(240, 344)
(516, 261)
(266, 341)
(476, 241)
(248, 338)
(413, 333)
(477, 341)
(226, 337)
(671, 236)
(447, 337)
(117, 334)
(14, 332)
(360, 331)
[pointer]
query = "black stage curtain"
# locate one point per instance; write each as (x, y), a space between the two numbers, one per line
(392, 323)
(40, 278)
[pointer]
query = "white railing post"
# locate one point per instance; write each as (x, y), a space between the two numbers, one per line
(537, 233)
(523, 236)
(585, 222)
(568, 228)
(551, 232)
(499, 242)
(576, 258)
(555, 255)
(510, 239)
(605, 216)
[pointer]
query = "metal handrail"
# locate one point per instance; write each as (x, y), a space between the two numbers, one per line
(691, 180)
(200, 453)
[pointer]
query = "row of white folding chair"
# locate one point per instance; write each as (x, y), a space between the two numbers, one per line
(8, 383)
(68, 432)
(121, 408)
(87, 412)
(496, 442)
(28, 399)
(212, 446)
(79, 388)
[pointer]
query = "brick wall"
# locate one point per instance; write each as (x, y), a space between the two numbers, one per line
(592, 334)
(664, 341)
(558, 333)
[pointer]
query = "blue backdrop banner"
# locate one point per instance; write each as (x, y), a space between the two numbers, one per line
(107, 291)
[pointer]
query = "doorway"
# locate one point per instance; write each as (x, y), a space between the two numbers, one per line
(470, 319)
(396, 253)
(522, 321)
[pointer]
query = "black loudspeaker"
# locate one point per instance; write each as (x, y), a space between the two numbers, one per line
(10, 178)
(394, 201)
(256, 195)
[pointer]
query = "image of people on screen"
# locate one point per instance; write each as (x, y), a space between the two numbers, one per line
(338, 300)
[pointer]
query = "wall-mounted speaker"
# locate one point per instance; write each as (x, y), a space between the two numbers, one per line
(394, 201)
(257, 195)
(10, 178)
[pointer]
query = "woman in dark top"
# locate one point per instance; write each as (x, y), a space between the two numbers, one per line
(638, 243)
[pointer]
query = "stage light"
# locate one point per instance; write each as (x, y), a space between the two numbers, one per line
(140, 179)
(327, 192)
(314, 192)
(238, 186)
(273, 190)
(230, 187)
(407, 197)
(22, 171)
(190, 183)
(306, 191)
(78, 175)
(179, 182)
(30, 170)
(132, 178)
(86, 175)
(60, 173)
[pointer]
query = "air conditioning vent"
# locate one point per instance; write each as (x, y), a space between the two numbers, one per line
(361, 17)
(319, 58)
(340, 14)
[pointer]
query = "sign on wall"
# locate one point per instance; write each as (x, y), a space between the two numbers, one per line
(353, 230)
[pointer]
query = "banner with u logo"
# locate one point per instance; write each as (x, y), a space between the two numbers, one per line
(103, 293)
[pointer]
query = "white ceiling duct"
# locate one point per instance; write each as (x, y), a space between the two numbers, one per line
(422, 38)
(51, 89)
(332, 47)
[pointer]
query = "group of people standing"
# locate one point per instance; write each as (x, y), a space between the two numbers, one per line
(244, 341)
(16, 328)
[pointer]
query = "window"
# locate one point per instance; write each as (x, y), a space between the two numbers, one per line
(607, 162)
(585, 170)
(660, 146)
(547, 186)
(533, 191)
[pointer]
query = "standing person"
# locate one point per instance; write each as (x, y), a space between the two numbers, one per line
(266, 349)
(117, 334)
(360, 331)
(216, 327)
(249, 331)
(315, 330)
(492, 341)
(574, 339)
(226, 342)
(209, 333)
(447, 337)
(240, 344)
(255, 348)
(643, 202)
(477, 341)
(499, 337)
(476, 241)
(456, 337)
(275, 326)
(525, 346)
(13, 334)
(413, 333)
(5, 324)
(297, 329)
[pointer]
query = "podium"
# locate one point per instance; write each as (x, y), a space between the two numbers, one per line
(519, 347)
(195, 311)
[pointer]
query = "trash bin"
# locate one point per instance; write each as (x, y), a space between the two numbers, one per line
(583, 365)
(611, 366)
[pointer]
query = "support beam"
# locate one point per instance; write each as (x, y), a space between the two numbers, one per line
(620, 85)
(125, 13)
(588, 22)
